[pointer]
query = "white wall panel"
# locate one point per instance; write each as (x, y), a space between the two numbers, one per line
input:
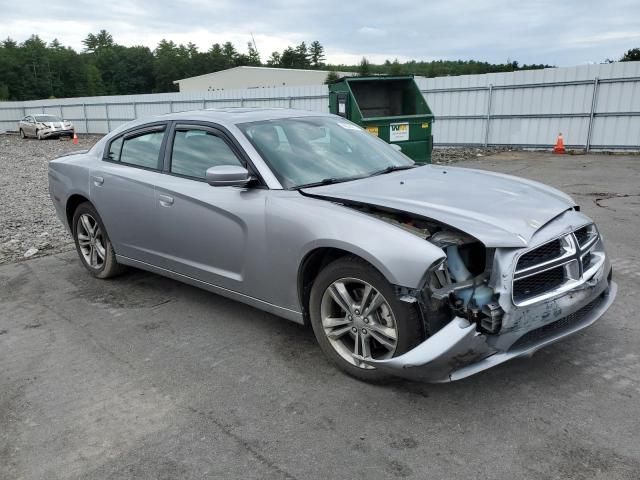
(531, 110)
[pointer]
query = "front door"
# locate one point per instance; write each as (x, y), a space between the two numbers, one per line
(206, 232)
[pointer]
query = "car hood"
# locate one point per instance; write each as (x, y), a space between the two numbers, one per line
(497, 209)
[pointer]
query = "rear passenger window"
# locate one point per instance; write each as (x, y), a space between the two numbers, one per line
(142, 150)
(194, 151)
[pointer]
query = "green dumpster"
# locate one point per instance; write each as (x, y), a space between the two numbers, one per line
(390, 107)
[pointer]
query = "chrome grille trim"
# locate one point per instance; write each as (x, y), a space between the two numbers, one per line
(572, 261)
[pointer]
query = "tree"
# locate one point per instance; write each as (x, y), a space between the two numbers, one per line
(331, 77)
(631, 55)
(288, 58)
(395, 68)
(93, 43)
(316, 52)
(230, 54)
(364, 69)
(274, 60)
(302, 56)
(253, 57)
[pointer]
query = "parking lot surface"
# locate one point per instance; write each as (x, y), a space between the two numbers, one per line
(144, 377)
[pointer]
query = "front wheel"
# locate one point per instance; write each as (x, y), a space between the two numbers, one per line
(22, 135)
(92, 243)
(355, 314)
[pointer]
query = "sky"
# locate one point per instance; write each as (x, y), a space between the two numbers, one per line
(562, 33)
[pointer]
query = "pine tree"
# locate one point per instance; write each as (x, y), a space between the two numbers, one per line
(316, 51)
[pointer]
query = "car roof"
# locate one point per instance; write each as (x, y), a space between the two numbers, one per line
(231, 116)
(235, 115)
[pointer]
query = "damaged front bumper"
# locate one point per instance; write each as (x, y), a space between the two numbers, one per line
(461, 348)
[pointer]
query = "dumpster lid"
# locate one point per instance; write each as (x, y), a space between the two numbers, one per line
(372, 77)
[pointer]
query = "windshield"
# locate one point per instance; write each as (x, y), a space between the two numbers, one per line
(47, 118)
(308, 150)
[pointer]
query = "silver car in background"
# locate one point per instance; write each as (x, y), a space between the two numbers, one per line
(427, 272)
(41, 126)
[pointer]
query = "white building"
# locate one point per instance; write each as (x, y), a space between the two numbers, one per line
(254, 77)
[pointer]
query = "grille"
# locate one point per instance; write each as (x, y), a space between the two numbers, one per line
(538, 284)
(542, 254)
(540, 334)
(546, 270)
(583, 234)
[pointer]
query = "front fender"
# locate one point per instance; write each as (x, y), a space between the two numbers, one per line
(298, 225)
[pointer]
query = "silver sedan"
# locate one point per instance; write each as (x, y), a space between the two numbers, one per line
(41, 126)
(427, 272)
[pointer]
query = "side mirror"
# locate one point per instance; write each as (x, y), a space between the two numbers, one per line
(228, 176)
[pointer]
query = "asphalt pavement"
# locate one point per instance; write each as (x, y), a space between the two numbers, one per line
(144, 377)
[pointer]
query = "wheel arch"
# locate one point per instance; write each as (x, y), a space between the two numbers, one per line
(72, 203)
(318, 258)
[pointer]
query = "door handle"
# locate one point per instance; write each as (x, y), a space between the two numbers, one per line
(97, 181)
(165, 200)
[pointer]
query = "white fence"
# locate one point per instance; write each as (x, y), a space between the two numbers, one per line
(594, 106)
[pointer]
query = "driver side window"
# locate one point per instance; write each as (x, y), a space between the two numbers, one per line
(194, 151)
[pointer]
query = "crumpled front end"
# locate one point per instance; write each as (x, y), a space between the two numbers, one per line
(526, 299)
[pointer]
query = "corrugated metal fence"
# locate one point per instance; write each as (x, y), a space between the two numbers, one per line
(594, 106)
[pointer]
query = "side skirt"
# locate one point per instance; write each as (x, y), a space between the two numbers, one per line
(240, 297)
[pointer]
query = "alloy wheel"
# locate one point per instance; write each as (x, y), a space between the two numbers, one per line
(91, 241)
(358, 321)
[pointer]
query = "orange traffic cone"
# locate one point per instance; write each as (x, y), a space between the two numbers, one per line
(75, 138)
(559, 148)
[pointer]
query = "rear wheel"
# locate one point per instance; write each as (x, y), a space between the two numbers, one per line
(92, 243)
(355, 314)
(38, 134)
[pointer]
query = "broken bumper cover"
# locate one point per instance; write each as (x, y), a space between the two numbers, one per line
(459, 350)
(59, 132)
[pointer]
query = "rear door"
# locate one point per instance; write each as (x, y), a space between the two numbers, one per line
(122, 188)
(207, 232)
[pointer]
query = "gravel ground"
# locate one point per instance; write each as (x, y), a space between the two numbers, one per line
(29, 226)
(27, 217)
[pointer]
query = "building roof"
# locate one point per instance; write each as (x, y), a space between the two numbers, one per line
(265, 69)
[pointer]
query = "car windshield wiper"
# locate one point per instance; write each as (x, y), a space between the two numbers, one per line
(326, 181)
(392, 168)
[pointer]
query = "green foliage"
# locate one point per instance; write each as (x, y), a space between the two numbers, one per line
(331, 77)
(631, 55)
(33, 69)
(316, 55)
(364, 69)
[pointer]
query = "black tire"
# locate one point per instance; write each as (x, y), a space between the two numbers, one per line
(22, 135)
(407, 319)
(109, 266)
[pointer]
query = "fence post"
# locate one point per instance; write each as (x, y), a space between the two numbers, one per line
(204, 104)
(135, 110)
(290, 102)
(106, 110)
(86, 120)
(171, 106)
(241, 101)
(487, 126)
(594, 101)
